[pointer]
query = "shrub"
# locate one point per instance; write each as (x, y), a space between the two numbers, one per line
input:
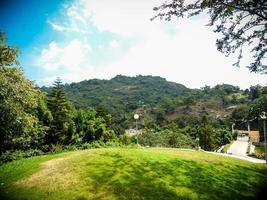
(113, 143)
(15, 155)
(71, 148)
(86, 146)
(56, 148)
(259, 153)
(97, 144)
(125, 140)
(166, 138)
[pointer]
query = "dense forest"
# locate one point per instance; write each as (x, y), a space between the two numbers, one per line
(95, 113)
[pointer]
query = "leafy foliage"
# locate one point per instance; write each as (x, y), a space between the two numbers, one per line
(205, 135)
(167, 136)
(19, 125)
(8, 54)
(90, 126)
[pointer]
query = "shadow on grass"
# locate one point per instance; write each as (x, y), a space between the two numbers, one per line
(126, 174)
(127, 178)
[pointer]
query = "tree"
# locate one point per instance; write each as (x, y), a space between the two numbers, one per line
(240, 114)
(60, 110)
(43, 113)
(254, 92)
(19, 125)
(257, 107)
(8, 54)
(242, 24)
(222, 137)
(206, 134)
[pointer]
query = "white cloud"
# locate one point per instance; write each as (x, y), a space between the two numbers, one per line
(121, 17)
(68, 58)
(182, 51)
(73, 12)
(114, 44)
(71, 19)
(56, 27)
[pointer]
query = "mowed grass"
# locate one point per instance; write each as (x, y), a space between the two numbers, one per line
(122, 173)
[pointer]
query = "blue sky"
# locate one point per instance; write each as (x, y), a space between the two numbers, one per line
(25, 25)
(84, 39)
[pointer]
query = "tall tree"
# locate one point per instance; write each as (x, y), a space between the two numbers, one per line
(205, 134)
(242, 24)
(19, 125)
(60, 110)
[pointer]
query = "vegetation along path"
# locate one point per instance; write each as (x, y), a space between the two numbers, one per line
(122, 173)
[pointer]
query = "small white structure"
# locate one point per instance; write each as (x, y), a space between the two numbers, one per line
(136, 116)
(131, 132)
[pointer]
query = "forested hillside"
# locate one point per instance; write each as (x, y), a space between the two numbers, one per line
(122, 95)
(122, 92)
(160, 101)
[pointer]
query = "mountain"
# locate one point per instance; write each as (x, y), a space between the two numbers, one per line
(155, 98)
(123, 92)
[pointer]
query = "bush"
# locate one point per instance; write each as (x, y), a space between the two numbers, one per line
(259, 153)
(56, 148)
(125, 140)
(86, 146)
(97, 144)
(45, 148)
(113, 143)
(168, 137)
(71, 148)
(93, 145)
(15, 155)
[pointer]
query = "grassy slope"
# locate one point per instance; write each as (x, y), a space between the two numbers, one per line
(132, 174)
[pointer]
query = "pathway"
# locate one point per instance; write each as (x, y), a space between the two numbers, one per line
(238, 148)
(247, 158)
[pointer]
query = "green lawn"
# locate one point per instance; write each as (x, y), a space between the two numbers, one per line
(132, 174)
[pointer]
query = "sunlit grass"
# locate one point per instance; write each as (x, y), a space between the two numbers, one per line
(132, 174)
